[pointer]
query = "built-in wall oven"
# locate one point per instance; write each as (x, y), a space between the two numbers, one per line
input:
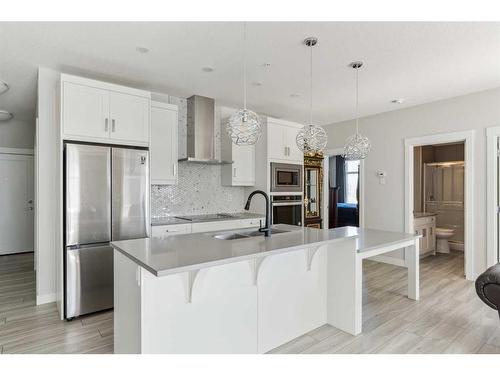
(286, 178)
(287, 209)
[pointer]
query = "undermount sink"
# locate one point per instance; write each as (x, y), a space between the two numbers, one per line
(248, 234)
(229, 236)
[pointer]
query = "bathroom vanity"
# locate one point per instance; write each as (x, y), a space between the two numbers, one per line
(242, 292)
(424, 225)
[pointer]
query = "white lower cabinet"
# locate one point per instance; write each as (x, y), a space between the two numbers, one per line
(162, 231)
(249, 223)
(426, 227)
(216, 225)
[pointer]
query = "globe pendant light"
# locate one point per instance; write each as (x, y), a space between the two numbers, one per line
(311, 139)
(244, 127)
(356, 146)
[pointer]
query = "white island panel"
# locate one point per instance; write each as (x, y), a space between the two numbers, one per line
(292, 298)
(127, 302)
(220, 316)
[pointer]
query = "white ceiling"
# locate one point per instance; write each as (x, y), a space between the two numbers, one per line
(421, 62)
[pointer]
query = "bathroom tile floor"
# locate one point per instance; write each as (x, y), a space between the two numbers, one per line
(449, 318)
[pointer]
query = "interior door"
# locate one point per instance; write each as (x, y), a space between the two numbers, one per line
(130, 192)
(129, 116)
(16, 202)
(85, 111)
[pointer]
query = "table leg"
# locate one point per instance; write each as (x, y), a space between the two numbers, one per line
(412, 263)
(344, 289)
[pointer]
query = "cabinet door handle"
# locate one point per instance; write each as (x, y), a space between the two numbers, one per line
(234, 172)
(284, 151)
(106, 124)
(174, 167)
(113, 125)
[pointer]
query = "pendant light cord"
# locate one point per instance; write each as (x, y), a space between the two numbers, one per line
(357, 99)
(244, 65)
(311, 88)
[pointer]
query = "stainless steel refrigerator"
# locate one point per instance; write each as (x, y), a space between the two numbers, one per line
(106, 199)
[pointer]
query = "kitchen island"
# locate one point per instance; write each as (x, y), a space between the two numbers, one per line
(241, 292)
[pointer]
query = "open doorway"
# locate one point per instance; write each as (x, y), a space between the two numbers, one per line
(439, 200)
(17, 274)
(439, 187)
(343, 191)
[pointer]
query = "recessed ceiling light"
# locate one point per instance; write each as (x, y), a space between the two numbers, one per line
(294, 95)
(208, 69)
(3, 87)
(5, 115)
(257, 83)
(398, 101)
(142, 49)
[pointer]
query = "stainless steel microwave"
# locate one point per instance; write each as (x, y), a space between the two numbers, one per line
(286, 178)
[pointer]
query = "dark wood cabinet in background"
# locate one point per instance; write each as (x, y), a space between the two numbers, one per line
(313, 190)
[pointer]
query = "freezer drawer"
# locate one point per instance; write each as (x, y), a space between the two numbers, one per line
(89, 280)
(130, 194)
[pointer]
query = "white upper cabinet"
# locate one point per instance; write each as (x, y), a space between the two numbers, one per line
(85, 111)
(294, 154)
(102, 112)
(129, 116)
(163, 147)
(281, 141)
(242, 171)
(276, 134)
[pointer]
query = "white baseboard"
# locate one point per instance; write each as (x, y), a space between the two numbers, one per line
(45, 298)
(389, 260)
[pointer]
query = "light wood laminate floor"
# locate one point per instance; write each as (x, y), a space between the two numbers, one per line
(449, 318)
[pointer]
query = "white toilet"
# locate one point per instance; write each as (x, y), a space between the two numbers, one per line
(442, 236)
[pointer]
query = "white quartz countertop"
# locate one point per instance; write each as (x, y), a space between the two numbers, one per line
(188, 252)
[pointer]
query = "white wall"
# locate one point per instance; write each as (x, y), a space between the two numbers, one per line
(384, 204)
(17, 134)
(46, 201)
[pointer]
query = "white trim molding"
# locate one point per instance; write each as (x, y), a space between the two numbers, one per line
(45, 298)
(326, 170)
(492, 136)
(468, 138)
(16, 151)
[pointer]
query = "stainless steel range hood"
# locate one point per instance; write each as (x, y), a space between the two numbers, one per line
(201, 131)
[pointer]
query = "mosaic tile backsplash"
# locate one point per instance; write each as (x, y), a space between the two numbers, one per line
(199, 191)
